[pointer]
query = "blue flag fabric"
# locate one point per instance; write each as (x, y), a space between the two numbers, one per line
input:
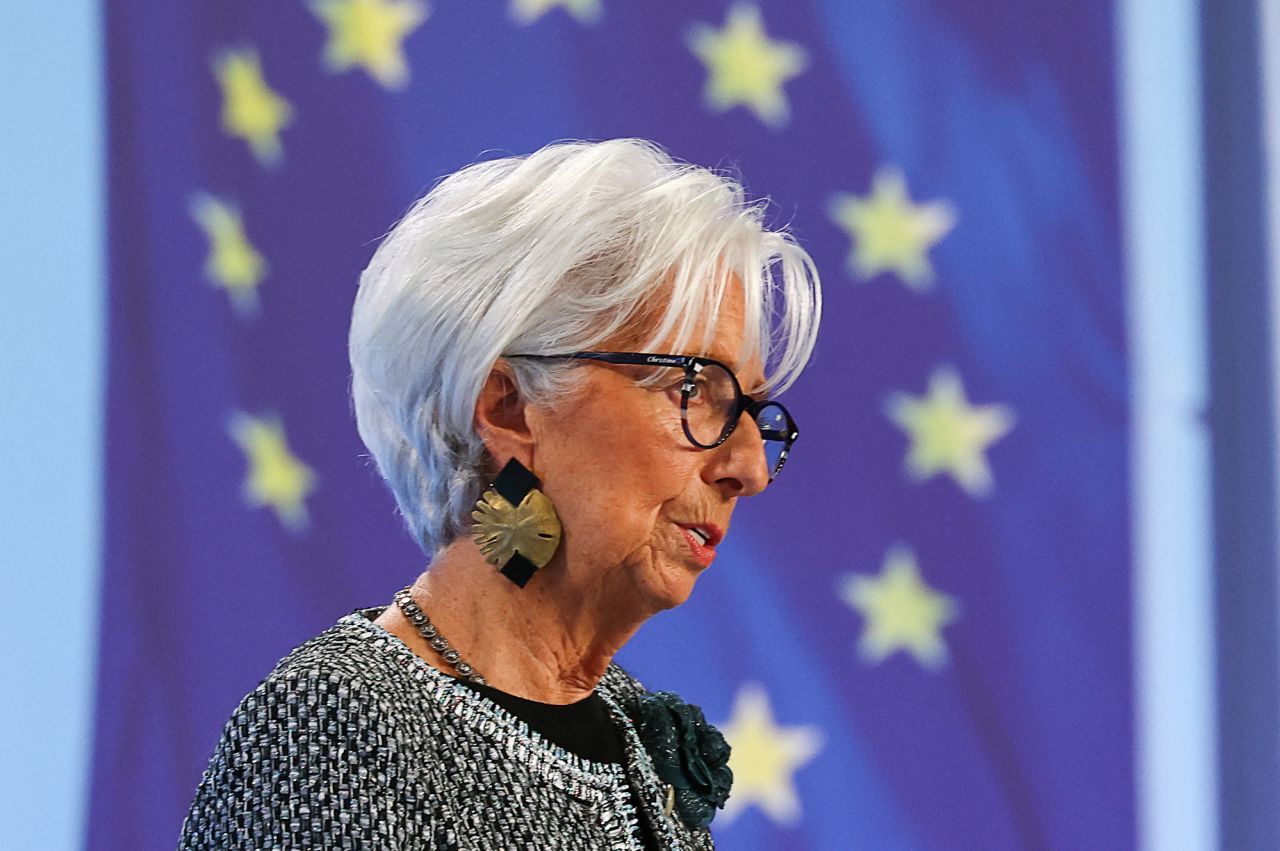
(917, 638)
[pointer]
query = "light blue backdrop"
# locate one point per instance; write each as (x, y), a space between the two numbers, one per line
(51, 323)
(51, 341)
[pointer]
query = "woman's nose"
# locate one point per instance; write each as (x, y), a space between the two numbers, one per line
(741, 462)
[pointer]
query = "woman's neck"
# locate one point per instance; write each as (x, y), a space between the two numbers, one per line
(550, 641)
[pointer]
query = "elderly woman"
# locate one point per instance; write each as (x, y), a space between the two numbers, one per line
(561, 365)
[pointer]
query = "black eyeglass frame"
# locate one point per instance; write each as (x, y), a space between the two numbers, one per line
(692, 365)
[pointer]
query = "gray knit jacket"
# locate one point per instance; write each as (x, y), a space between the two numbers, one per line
(354, 742)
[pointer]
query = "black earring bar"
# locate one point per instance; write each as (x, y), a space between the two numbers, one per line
(514, 483)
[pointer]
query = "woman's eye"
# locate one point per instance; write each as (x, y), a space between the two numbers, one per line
(697, 390)
(674, 389)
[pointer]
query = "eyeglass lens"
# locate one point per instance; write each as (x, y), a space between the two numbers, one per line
(772, 421)
(712, 404)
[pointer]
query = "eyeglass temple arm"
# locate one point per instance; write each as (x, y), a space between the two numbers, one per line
(625, 358)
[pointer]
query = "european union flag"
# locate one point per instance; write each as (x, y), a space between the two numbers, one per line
(919, 638)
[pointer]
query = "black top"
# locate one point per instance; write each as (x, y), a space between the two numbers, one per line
(583, 728)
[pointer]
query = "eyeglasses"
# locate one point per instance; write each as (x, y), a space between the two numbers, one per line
(711, 402)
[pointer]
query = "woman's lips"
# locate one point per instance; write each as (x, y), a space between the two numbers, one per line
(704, 554)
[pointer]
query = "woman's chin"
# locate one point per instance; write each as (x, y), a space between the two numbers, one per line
(674, 586)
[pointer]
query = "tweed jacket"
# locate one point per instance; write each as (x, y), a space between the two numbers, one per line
(354, 742)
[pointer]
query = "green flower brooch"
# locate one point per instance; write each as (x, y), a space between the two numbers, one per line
(688, 753)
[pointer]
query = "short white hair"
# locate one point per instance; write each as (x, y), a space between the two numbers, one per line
(551, 253)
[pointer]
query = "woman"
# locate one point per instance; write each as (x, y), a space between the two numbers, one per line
(549, 358)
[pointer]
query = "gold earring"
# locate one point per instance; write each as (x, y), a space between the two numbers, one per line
(517, 528)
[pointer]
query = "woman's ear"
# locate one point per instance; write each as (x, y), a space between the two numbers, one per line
(500, 417)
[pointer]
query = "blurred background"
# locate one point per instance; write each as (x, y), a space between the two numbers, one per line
(1018, 587)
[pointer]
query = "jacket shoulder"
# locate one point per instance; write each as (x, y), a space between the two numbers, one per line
(619, 685)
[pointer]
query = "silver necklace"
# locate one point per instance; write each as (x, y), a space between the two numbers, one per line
(438, 642)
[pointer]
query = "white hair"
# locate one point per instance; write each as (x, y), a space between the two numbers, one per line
(551, 253)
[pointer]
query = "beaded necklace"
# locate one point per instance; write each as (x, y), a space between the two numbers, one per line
(437, 641)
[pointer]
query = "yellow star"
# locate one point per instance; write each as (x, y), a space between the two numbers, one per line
(370, 33)
(889, 233)
(948, 435)
(901, 611)
(233, 263)
(528, 11)
(744, 66)
(765, 758)
(250, 109)
(276, 478)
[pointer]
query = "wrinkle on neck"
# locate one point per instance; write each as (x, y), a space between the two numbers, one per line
(550, 641)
